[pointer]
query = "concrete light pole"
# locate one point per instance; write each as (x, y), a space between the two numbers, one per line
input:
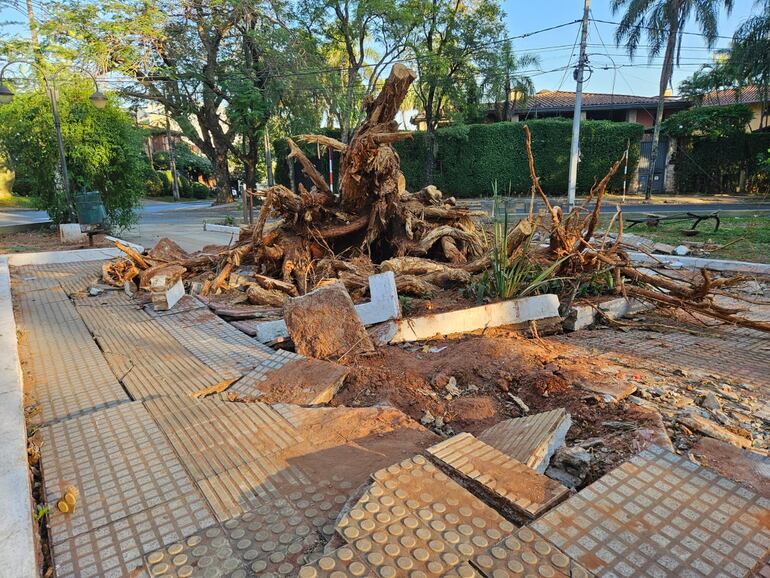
(575, 146)
(98, 99)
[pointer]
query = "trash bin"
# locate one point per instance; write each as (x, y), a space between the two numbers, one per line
(90, 208)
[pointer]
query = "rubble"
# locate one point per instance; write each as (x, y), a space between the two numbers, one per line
(323, 324)
(705, 426)
(570, 466)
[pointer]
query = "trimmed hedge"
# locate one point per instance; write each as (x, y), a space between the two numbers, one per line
(469, 158)
(708, 165)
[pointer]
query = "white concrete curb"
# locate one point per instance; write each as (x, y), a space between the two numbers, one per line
(699, 263)
(17, 542)
(221, 228)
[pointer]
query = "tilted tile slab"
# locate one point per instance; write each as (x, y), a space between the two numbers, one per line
(415, 519)
(499, 475)
(212, 436)
(661, 515)
(219, 345)
(532, 439)
(116, 549)
(119, 461)
(525, 552)
(141, 353)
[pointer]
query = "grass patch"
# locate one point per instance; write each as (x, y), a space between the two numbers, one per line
(14, 202)
(748, 237)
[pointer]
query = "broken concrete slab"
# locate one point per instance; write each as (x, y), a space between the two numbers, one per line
(743, 466)
(384, 306)
(503, 313)
(659, 514)
(581, 316)
(164, 297)
(701, 263)
(288, 378)
(700, 424)
(531, 440)
(323, 324)
(610, 391)
(663, 248)
(71, 234)
(516, 486)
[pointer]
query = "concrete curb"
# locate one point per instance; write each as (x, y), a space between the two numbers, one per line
(221, 228)
(699, 262)
(17, 554)
(582, 316)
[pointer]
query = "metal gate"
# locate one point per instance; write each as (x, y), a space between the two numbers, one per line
(659, 175)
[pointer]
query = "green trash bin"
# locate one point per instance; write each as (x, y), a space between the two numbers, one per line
(90, 208)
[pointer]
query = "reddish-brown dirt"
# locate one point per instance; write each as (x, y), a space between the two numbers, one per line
(488, 370)
(43, 240)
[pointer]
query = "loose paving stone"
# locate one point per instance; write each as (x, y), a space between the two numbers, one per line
(525, 552)
(119, 461)
(288, 378)
(495, 473)
(531, 440)
(661, 515)
(116, 549)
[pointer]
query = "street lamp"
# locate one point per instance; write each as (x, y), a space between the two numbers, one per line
(98, 99)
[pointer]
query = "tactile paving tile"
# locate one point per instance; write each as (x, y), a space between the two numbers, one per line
(661, 515)
(63, 367)
(530, 440)
(414, 518)
(116, 549)
(72, 277)
(274, 540)
(212, 436)
(496, 473)
(119, 461)
(141, 353)
(249, 384)
(337, 564)
(525, 552)
(215, 342)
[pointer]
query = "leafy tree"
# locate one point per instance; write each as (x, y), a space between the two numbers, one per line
(217, 66)
(709, 121)
(712, 78)
(192, 165)
(505, 83)
(750, 55)
(449, 41)
(359, 40)
(662, 22)
(103, 147)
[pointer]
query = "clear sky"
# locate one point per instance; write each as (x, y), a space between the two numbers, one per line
(558, 48)
(641, 77)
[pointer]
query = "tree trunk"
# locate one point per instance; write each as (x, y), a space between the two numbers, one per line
(665, 78)
(430, 149)
(222, 176)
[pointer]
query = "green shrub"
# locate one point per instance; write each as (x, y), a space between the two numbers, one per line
(469, 158)
(199, 190)
(185, 190)
(104, 151)
(154, 184)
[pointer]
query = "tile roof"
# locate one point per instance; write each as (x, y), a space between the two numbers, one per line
(560, 99)
(745, 95)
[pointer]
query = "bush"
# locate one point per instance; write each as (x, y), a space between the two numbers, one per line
(154, 184)
(200, 191)
(469, 158)
(187, 163)
(104, 151)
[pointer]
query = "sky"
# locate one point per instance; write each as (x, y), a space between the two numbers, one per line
(638, 76)
(559, 48)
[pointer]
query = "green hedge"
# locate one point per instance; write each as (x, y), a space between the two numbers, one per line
(469, 158)
(708, 165)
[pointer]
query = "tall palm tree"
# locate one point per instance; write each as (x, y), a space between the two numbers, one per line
(662, 22)
(750, 56)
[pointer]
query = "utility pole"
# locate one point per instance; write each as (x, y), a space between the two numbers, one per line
(575, 147)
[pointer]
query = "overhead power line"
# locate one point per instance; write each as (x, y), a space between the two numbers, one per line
(653, 28)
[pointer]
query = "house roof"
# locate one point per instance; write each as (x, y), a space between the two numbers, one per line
(745, 95)
(561, 100)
